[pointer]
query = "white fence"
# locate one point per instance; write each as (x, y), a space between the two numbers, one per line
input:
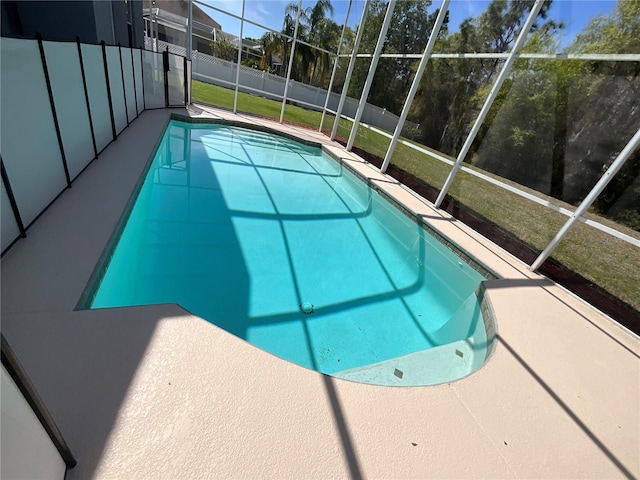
(223, 73)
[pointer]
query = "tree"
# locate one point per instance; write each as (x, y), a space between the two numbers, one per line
(410, 27)
(223, 48)
(291, 14)
(452, 91)
(609, 92)
(315, 29)
(326, 36)
(271, 44)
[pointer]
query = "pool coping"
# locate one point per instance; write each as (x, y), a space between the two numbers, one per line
(153, 392)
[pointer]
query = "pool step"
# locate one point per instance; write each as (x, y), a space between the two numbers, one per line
(440, 364)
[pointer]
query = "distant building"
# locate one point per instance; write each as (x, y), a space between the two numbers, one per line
(114, 21)
(170, 16)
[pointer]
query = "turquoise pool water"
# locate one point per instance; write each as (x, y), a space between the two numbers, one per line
(248, 230)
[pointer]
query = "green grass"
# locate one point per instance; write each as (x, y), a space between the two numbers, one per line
(602, 259)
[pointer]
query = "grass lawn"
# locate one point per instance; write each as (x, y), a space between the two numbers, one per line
(602, 259)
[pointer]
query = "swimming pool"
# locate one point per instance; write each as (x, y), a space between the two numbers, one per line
(281, 245)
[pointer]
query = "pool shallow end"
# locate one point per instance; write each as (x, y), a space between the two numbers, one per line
(451, 361)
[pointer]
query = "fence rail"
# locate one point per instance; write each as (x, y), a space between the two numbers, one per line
(222, 73)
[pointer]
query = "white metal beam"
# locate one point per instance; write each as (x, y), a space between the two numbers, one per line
(604, 57)
(189, 45)
(235, 96)
(416, 83)
(352, 64)
(372, 71)
(292, 53)
(492, 96)
(590, 198)
(335, 67)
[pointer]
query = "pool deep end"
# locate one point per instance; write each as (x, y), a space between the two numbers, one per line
(279, 244)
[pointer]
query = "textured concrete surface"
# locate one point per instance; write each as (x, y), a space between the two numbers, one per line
(153, 392)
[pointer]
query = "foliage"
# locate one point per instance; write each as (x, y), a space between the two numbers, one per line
(547, 128)
(310, 65)
(271, 44)
(251, 62)
(223, 48)
(408, 33)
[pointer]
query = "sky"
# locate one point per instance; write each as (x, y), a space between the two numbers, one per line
(575, 14)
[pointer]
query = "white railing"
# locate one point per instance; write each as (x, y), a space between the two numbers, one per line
(217, 71)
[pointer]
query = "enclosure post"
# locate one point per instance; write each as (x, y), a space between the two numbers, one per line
(335, 67)
(352, 64)
(492, 96)
(293, 50)
(235, 96)
(416, 83)
(590, 198)
(189, 42)
(372, 71)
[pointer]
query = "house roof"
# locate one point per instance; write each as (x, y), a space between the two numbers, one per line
(180, 7)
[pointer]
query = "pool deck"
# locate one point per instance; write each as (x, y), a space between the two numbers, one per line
(154, 392)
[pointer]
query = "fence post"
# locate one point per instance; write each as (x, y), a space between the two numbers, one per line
(144, 102)
(12, 200)
(186, 81)
(165, 68)
(133, 75)
(124, 89)
(106, 77)
(86, 98)
(53, 109)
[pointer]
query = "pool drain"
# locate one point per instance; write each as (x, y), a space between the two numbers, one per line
(307, 308)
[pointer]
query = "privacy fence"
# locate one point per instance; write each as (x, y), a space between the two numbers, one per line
(62, 104)
(217, 71)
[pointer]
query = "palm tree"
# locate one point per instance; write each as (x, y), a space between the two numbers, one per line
(318, 13)
(270, 44)
(291, 13)
(327, 35)
(314, 28)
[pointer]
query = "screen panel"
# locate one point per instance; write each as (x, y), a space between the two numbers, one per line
(127, 68)
(30, 148)
(9, 226)
(137, 65)
(117, 91)
(63, 63)
(153, 80)
(98, 99)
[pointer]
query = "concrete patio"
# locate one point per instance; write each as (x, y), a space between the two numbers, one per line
(154, 392)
